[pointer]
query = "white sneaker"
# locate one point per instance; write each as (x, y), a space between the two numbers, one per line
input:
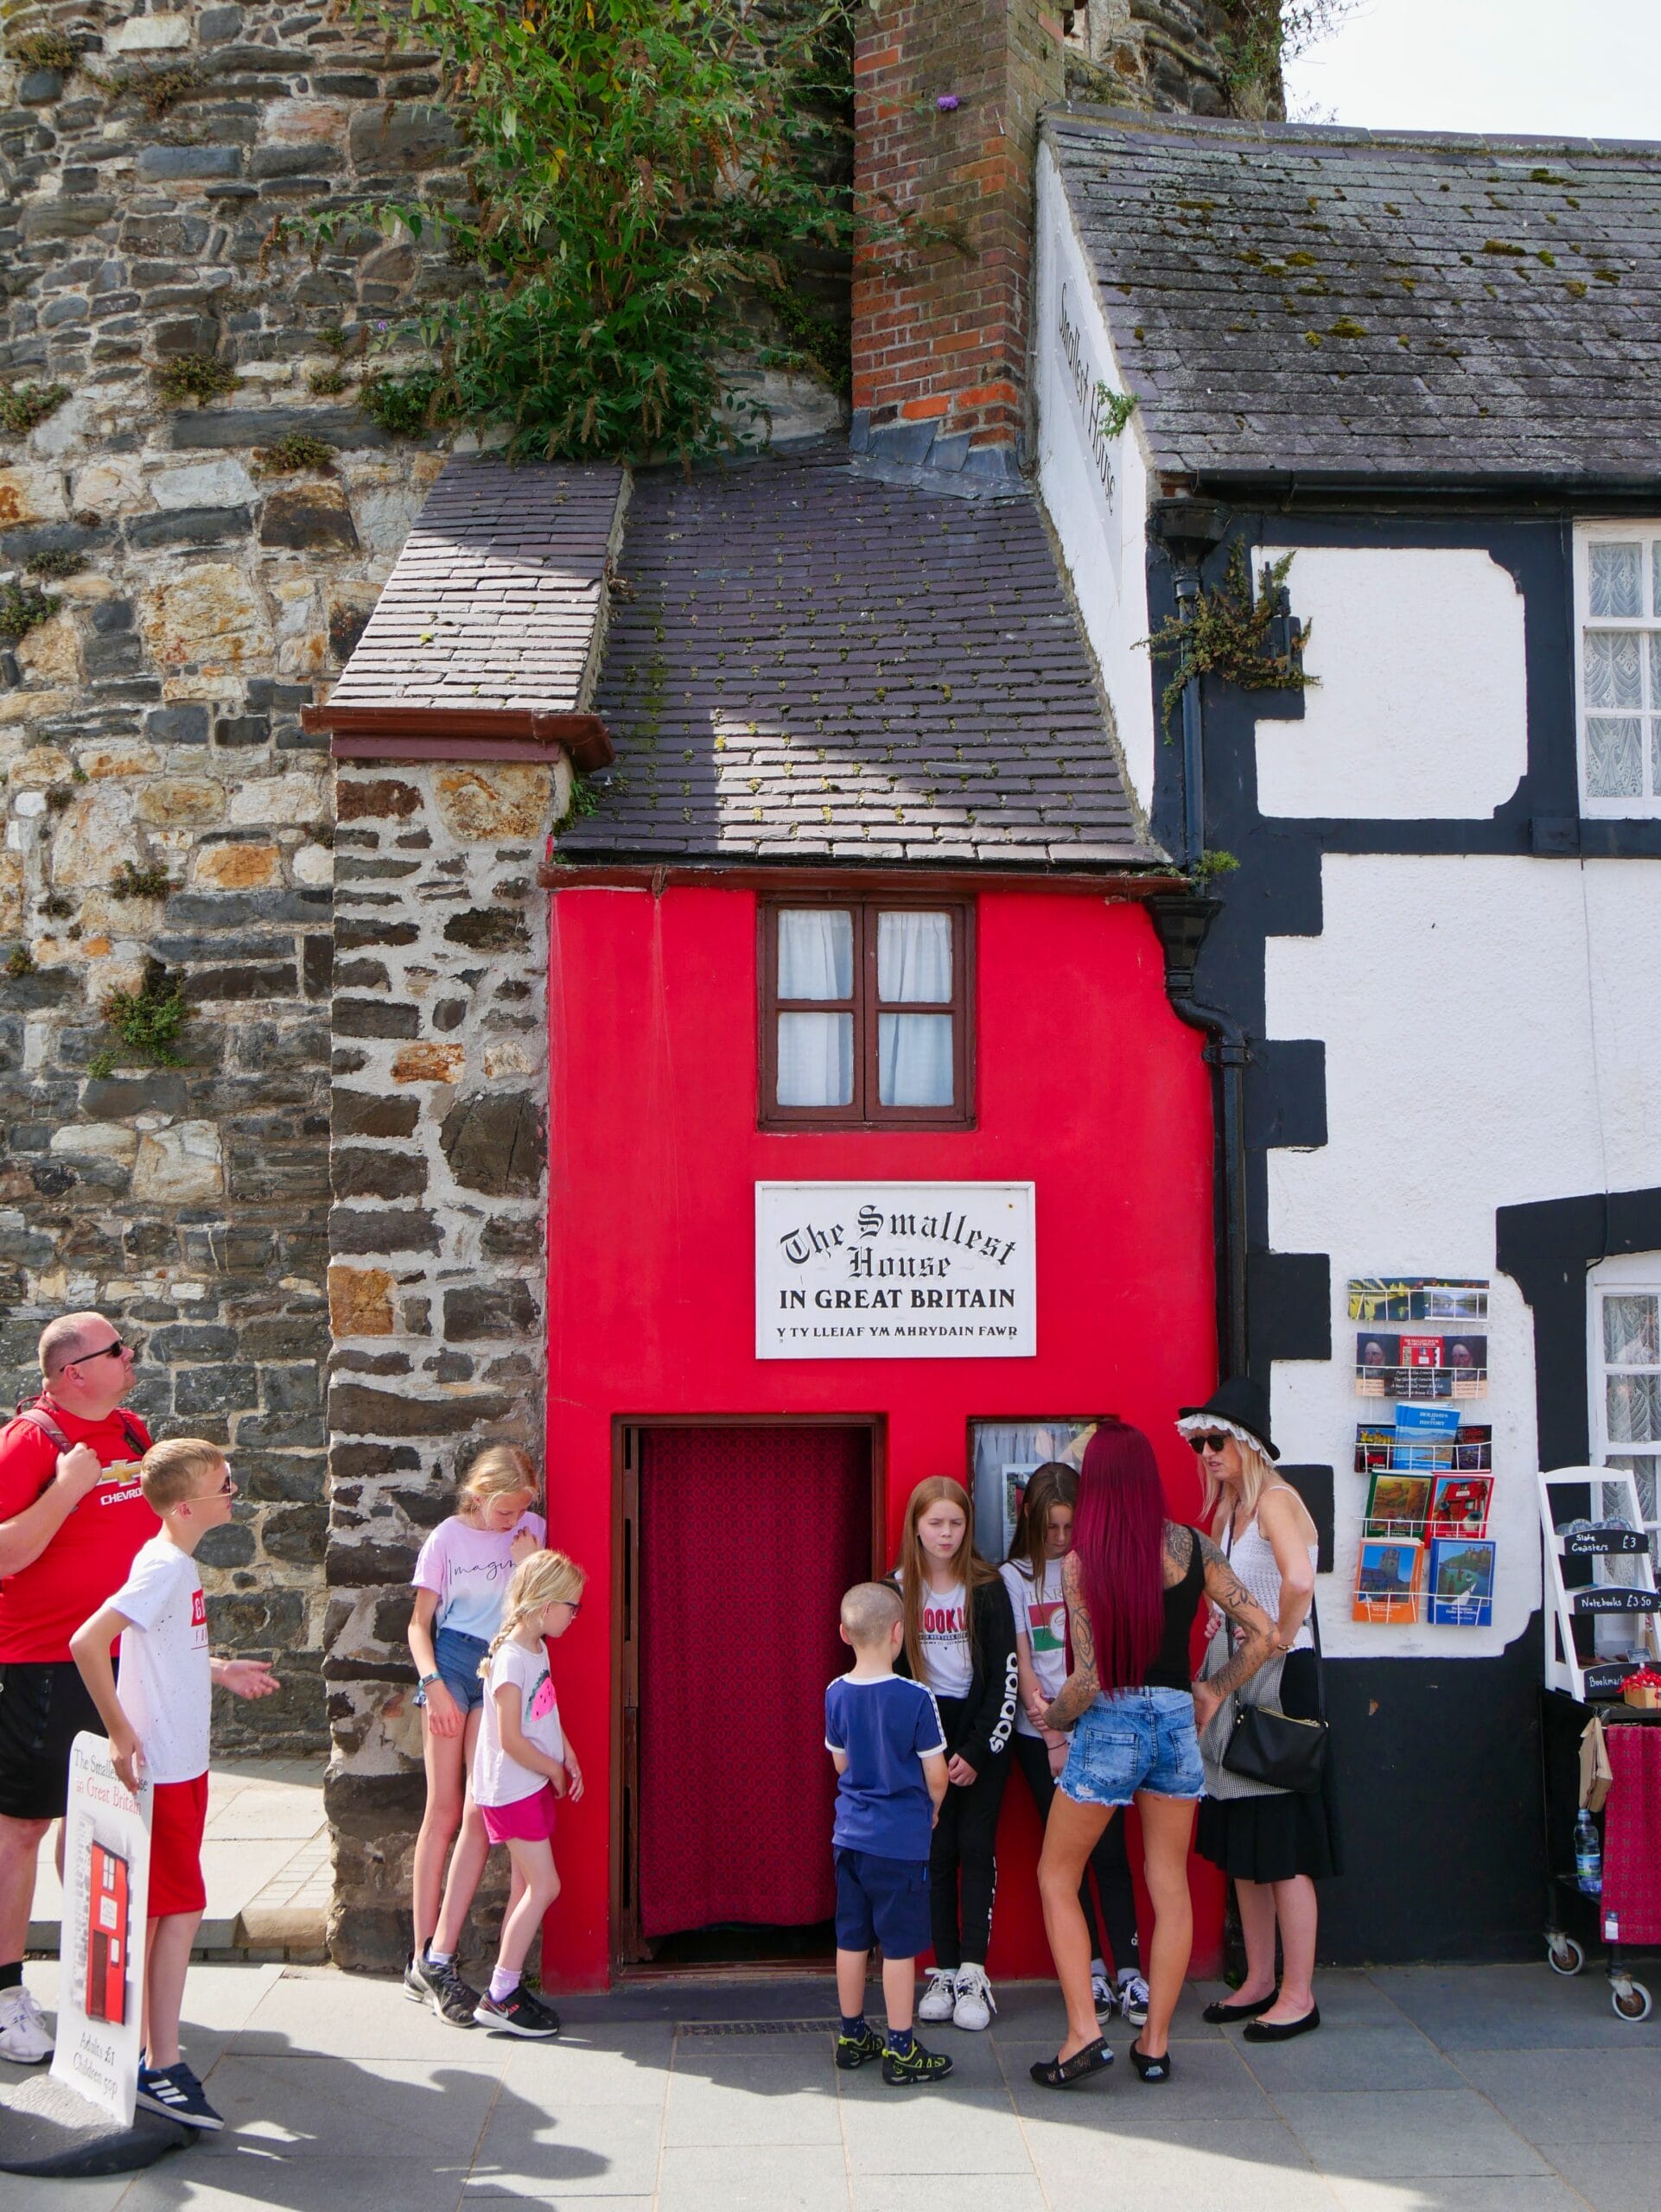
(1133, 1999)
(1103, 1997)
(24, 2037)
(975, 2005)
(938, 1999)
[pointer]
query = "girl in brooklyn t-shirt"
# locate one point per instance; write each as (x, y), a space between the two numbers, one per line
(960, 1643)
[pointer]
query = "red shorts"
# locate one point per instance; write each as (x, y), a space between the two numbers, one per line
(178, 1815)
(527, 1820)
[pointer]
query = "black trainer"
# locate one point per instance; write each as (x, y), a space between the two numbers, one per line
(518, 2015)
(174, 2092)
(538, 2003)
(417, 1985)
(453, 1999)
(901, 2069)
(853, 2051)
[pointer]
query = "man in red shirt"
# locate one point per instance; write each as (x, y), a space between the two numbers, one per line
(71, 1516)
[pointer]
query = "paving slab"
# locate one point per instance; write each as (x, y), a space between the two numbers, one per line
(1414, 2134)
(748, 2179)
(1609, 2176)
(754, 2101)
(1515, 2008)
(1254, 2168)
(1335, 2057)
(947, 2130)
(251, 2181)
(309, 2107)
(1456, 2193)
(539, 2148)
(1205, 2077)
(1554, 2093)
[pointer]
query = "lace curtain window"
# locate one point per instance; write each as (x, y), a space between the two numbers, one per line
(1626, 1393)
(1619, 578)
(866, 1014)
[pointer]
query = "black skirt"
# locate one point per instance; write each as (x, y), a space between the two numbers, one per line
(1272, 1838)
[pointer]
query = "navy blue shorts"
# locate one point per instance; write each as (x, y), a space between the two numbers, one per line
(884, 1901)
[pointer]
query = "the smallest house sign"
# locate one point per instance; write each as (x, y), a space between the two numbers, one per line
(895, 1271)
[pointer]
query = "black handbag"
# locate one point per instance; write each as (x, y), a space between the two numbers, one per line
(1273, 1748)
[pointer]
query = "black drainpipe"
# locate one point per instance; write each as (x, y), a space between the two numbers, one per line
(1189, 528)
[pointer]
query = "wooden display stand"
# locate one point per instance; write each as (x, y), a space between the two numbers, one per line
(1622, 1574)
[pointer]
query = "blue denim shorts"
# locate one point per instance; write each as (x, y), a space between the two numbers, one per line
(1131, 1741)
(457, 1658)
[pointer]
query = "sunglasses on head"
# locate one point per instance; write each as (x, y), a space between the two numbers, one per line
(1211, 1442)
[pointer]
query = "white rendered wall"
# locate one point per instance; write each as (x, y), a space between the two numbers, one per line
(1421, 709)
(1490, 1040)
(1102, 536)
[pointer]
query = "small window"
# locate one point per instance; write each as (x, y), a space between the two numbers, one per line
(1625, 1393)
(865, 1015)
(1002, 1455)
(1618, 596)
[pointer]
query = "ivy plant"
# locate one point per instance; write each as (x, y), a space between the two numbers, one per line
(642, 175)
(1229, 631)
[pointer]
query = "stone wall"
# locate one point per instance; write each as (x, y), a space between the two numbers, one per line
(1167, 55)
(436, 1243)
(151, 727)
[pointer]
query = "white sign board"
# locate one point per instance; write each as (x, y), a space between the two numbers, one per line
(107, 1868)
(895, 1271)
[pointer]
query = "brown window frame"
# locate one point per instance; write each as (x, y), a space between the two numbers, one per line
(863, 1111)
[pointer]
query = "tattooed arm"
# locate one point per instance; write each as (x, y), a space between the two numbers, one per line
(1081, 1687)
(1229, 1594)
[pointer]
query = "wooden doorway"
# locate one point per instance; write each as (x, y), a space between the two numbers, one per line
(735, 1539)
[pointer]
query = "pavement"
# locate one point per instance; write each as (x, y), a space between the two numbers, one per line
(264, 1861)
(1483, 2089)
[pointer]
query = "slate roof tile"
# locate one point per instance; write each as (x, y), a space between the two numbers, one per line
(1508, 291)
(810, 663)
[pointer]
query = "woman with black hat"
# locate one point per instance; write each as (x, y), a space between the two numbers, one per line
(1276, 1843)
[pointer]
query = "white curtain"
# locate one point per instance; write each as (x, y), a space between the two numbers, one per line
(815, 1050)
(913, 966)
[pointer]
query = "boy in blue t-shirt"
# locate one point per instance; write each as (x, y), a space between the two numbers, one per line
(884, 1734)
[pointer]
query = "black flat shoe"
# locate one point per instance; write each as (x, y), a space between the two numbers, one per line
(1223, 2015)
(1283, 2031)
(1151, 2070)
(1062, 2073)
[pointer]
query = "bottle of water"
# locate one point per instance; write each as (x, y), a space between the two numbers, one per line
(1588, 1855)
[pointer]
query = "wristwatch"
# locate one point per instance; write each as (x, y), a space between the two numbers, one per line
(425, 1679)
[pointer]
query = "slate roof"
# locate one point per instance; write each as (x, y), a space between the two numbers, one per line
(1363, 305)
(816, 665)
(496, 600)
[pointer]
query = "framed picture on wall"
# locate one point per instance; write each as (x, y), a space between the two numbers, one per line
(1003, 1454)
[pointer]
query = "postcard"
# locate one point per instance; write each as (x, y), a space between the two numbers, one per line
(1473, 1448)
(1373, 1447)
(1387, 1579)
(1417, 1298)
(1461, 1582)
(1425, 1436)
(1459, 1506)
(1398, 1505)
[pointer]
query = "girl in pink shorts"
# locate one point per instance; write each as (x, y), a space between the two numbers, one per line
(522, 1765)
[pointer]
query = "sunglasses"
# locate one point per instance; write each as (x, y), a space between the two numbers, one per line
(105, 1352)
(226, 1488)
(1208, 1443)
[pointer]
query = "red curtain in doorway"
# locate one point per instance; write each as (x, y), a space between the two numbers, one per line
(748, 1539)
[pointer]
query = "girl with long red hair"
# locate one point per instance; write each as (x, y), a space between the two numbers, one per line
(1134, 1581)
(960, 1643)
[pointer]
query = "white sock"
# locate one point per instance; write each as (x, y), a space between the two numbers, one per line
(1098, 1968)
(1127, 1973)
(439, 1958)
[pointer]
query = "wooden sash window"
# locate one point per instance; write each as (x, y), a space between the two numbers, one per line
(866, 1013)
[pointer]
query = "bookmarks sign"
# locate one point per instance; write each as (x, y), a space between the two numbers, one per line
(106, 1865)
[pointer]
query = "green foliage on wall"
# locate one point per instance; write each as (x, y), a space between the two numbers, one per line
(643, 174)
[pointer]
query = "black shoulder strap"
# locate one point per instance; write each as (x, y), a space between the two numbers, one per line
(136, 1443)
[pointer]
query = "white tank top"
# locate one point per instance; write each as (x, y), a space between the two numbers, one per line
(1253, 1557)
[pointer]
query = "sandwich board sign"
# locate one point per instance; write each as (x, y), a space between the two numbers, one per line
(106, 1864)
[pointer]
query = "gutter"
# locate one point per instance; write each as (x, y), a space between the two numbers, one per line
(461, 733)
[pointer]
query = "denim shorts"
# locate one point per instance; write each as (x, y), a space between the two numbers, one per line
(457, 1658)
(883, 1901)
(1131, 1741)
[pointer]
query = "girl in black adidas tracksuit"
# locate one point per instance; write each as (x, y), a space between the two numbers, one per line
(960, 1641)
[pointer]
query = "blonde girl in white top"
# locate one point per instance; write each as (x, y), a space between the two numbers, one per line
(1275, 1845)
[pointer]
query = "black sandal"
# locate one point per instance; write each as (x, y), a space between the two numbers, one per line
(1151, 2070)
(1062, 2073)
(1223, 2016)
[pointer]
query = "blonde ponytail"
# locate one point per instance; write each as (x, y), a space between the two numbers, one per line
(542, 1580)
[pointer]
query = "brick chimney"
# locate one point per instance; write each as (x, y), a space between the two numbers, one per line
(946, 100)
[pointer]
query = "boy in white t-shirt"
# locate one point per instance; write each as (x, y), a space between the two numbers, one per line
(157, 1718)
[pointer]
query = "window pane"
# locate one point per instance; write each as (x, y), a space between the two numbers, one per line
(1616, 576)
(1614, 758)
(914, 958)
(816, 954)
(1655, 668)
(1630, 1333)
(1634, 1404)
(1655, 572)
(816, 1059)
(915, 1059)
(1655, 757)
(1614, 674)
(1642, 1466)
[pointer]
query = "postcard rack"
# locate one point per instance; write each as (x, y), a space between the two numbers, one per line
(1403, 1576)
(1594, 1572)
